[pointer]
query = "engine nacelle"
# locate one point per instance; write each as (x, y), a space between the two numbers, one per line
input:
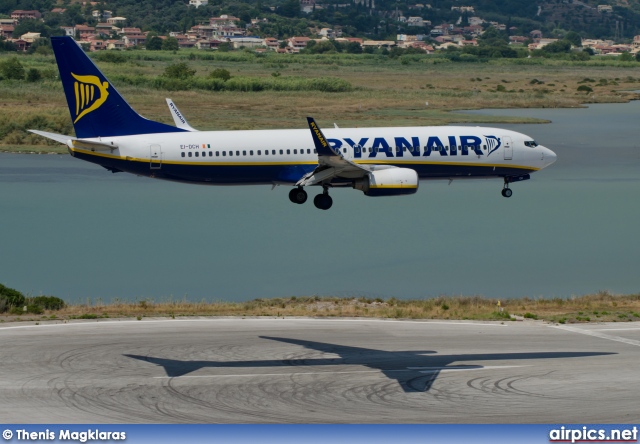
(388, 182)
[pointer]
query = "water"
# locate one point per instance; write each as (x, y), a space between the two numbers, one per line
(72, 229)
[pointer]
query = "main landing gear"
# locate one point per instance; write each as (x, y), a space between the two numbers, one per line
(298, 195)
(322, 201)
(506, 191)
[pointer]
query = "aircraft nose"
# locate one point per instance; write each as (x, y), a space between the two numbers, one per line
(548, 156)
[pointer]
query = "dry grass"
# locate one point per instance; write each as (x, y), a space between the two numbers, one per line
(600, 307)
(387, 92)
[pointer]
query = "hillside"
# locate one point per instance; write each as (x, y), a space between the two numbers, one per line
(378, 19)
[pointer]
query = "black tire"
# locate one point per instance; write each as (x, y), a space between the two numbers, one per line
(506, 192)
(323, 201)
(298, 195)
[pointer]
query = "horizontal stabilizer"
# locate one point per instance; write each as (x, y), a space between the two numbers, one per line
(53, 136)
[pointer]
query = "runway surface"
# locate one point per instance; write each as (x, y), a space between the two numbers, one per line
(318, 371)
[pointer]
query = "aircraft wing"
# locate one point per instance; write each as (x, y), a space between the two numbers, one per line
(331, 163)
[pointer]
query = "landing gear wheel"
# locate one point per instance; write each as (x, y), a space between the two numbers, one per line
(323, 201)
(506, 192)
(298, 195)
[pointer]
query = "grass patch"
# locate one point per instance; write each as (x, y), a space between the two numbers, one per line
(572, 310)
(352, 90)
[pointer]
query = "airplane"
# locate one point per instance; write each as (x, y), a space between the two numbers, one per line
(413, 370)
(377, 161)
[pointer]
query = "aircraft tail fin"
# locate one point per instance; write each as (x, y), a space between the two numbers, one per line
(96, 107)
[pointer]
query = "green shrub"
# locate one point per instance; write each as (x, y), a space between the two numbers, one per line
(87, 316)
(35, 309)
(179, 71)
(48, 302)
(220, 73)
(33, 75)
(12, 297)
(530, 316)
(585, 88)
(12, 69)
(110, 56)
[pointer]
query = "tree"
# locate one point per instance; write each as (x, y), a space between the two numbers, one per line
(12, 69)
(33, 75)
(11, 297)
(626, 57)
(557, 47)
(290, 8)
(179, 71)
(220, 73)
(154, 44)
(31, 26)
(574, 38)
(170, 44)
(7, 46)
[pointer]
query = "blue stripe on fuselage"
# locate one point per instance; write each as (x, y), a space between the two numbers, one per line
(269, 173)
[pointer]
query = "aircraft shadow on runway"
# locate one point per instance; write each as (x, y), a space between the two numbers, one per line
(414, 370)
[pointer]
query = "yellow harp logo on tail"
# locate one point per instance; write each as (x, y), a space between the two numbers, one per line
(90, 94)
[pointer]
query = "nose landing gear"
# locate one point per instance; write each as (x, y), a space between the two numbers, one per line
(506, 191)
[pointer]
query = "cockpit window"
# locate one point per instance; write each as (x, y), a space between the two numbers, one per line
(531, 143)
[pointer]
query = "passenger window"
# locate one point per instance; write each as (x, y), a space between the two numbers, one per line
(217, 153)
(315, 151)
(295, 151)
(237, 153)
(182, 154)
(266, 152)
(484, 147)
(251, 153)
(244, 153)
(231, 153)
(274, 152)
(288, 151)
(281, 152)
(189, 153)
(344, 150)
(259, 152)
(308, 151)
(197, 154)
(210, 153)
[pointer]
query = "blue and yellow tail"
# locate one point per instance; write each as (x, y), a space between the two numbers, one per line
(96, 107)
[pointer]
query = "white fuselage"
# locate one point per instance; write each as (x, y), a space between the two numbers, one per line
(283, 156)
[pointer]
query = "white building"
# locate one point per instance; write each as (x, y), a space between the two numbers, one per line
(198, 3)
(415, 21)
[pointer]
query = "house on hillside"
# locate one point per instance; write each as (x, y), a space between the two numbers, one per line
(84, 32)
(297, 43)
(117, 21)
(6, 31)
(20, 14)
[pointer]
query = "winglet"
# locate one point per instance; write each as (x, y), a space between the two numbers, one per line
(322, 145)
(178, 118)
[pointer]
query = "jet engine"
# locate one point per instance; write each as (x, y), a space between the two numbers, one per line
(388, 182)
